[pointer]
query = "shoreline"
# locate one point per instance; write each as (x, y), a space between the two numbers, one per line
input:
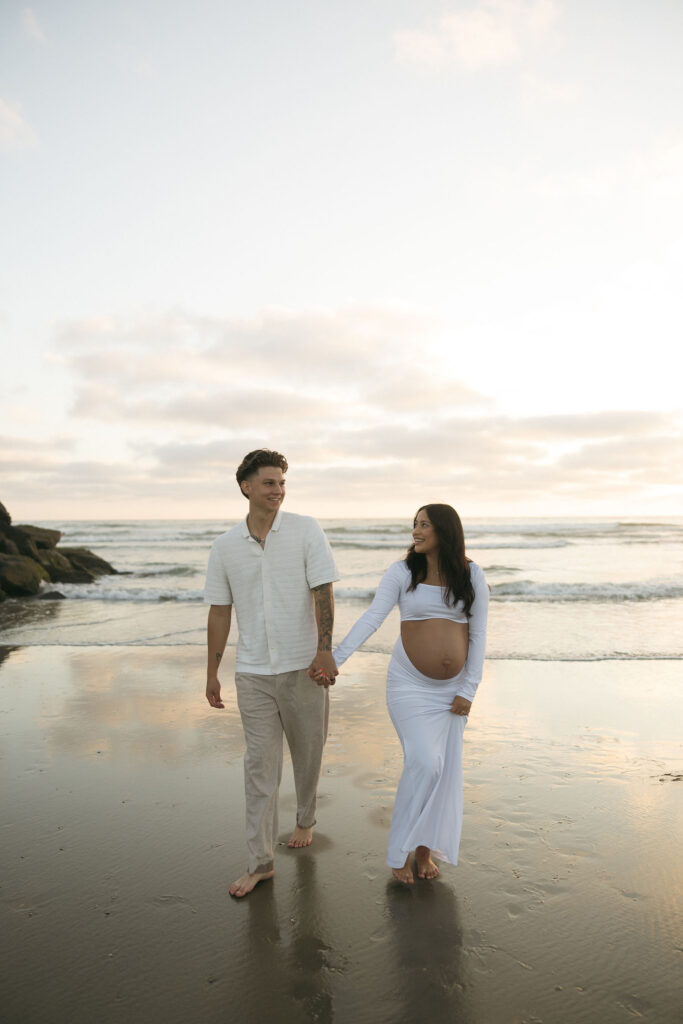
(124, 814)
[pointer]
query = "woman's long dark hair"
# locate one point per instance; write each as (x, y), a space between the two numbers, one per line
(454, 566)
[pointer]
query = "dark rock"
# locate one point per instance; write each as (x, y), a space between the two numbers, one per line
(29, 556)
(61, 570)
(20, 576)
(51, 595)
(84, 559)
(8, 547)
(23, 540)
(41, 536)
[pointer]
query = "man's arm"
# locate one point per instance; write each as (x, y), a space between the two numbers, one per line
(217, 631)
(323, 663)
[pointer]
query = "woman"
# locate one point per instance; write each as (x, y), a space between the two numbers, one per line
(433, 675)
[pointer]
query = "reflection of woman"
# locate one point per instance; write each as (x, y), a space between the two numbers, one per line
(427, 972)
(433, 674)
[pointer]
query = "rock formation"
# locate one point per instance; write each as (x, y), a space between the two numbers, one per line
(29, 556)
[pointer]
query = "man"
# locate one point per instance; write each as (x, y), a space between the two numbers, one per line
(277, 569)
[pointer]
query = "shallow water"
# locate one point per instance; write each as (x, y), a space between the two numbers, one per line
(561, 589)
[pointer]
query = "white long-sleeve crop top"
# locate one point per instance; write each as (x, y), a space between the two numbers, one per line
(425, 602)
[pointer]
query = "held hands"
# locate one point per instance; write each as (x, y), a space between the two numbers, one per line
(323, 669)
(461, 706)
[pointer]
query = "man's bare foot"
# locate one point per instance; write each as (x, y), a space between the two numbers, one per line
(426, 868)
(404, 874)
(244, 885)
(300, 837)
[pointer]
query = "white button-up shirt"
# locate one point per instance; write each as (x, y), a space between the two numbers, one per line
(270, 588)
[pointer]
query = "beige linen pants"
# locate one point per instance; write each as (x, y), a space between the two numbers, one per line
(289, 703)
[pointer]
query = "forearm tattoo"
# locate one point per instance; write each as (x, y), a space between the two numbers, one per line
(218, 658)
(324, 614)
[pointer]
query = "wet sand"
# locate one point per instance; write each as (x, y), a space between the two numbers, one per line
(123, 826)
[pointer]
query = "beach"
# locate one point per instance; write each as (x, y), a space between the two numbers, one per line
(123, 827)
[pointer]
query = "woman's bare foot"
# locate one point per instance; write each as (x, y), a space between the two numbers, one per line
(426, 868)
(300, 837)
(244, 885)
(404, 874)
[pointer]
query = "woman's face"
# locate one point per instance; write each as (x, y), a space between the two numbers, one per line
(424, 535)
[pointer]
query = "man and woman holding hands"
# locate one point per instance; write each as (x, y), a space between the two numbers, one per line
(276, 569)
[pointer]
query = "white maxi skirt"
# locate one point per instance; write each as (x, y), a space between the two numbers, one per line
(428, 807)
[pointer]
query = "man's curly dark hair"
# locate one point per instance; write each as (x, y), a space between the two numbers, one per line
(252, 462)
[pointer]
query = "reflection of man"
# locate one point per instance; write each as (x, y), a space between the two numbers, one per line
(277, 569)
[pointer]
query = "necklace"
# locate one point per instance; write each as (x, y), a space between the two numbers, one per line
(259, 540)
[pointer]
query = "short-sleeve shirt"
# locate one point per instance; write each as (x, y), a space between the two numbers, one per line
(270, 588)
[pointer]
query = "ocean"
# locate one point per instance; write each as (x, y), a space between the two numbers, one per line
(561, 589)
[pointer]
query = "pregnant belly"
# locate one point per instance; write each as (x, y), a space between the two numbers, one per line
(436, 647)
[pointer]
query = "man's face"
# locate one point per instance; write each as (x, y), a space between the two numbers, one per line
(265, 489)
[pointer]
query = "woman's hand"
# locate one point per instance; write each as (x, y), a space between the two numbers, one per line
(461, 706)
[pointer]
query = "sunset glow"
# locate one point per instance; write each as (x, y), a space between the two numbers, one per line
(430, 252)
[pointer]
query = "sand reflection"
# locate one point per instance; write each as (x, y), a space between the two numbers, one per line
(311, 951)
(143, 703)
(287, 953)
(428, 941)
(568, 888)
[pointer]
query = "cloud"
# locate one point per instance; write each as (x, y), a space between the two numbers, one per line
(478, 456)
(280, 368)
(31, 26)
(653, 459)
(569, 427)
(651, 173)
(227, 408)
(25, 458)
(542, 92)
(23, 444)
(15, 132)
(21, 447)
(360, 400)
(491, 32)
(473, 460)
(421, 390)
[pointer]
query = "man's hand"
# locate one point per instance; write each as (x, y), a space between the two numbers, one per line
(213, 693)
(461, 706)
(323, 669)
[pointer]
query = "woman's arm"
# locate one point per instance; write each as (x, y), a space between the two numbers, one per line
(477, 635)
(386, 596)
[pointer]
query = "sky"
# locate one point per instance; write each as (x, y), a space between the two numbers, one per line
(430, 251)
